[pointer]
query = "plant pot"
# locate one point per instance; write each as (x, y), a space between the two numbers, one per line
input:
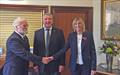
(109, 62)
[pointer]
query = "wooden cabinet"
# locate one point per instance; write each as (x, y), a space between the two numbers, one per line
(103, 73)
(2, 61)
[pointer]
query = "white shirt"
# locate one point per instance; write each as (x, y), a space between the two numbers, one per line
(79, 56)
(20, 34)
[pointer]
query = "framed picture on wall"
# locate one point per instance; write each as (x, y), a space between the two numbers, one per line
(110, 19)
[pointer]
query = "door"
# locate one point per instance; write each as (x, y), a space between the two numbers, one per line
(63, 17)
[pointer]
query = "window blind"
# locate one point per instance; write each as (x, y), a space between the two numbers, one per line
(7, 17)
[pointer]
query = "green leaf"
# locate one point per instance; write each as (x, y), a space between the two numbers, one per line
(109, 50)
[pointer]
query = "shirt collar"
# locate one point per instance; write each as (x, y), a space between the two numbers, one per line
(19, 34)
(49, 28)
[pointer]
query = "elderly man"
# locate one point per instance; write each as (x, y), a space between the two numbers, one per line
(18, 52)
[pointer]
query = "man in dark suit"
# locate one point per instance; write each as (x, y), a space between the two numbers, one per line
(81, 44)
(46, 45)
(18, 50)
(1, 70)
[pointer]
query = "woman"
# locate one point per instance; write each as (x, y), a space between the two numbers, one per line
(83, 54)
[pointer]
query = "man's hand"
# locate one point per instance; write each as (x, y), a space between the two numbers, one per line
(46, 60)
(93, 72)
(51, 58)
(36, 68)
(61, 68)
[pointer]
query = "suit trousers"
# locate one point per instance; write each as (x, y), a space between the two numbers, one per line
(81, 70)
(49, 73)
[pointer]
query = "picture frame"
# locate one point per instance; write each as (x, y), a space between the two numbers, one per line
(110, 19)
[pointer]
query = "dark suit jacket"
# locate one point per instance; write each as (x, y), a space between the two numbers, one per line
(1, 70)
(87, 47)
(56, 43)
(18, 55)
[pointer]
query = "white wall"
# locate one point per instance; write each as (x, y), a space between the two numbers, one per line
(50, 2)
(96, 4)
(97, 29)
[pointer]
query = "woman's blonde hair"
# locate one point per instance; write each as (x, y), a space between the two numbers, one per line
(76, 19)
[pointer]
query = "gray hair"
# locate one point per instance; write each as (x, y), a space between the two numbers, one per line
(48, 14)
(17, 21)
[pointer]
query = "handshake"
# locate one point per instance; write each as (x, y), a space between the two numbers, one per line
(46, 60)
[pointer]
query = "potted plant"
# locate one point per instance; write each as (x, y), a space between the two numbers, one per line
(111, 49)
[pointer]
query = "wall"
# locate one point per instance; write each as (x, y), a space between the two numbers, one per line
(96, 4)
(97, 28)
(50, 2)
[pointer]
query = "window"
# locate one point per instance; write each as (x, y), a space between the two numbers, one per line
(7, 16)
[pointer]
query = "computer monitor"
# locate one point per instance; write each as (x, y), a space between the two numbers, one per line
(1, 51)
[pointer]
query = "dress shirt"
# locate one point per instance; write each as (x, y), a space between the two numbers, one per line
(20, 34)
(79, 55)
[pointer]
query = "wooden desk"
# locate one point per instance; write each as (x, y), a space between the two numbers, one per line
(102, 67)
(103, 73)
(2, 61)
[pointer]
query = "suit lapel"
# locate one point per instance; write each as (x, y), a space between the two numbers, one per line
(84, 38)
(42, 36)
(75, 43)
(52, 35)
(19, 37)
(25, 42)
(75, 38)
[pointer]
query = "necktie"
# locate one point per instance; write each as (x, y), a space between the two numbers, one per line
(47, 42)
(24, 38)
